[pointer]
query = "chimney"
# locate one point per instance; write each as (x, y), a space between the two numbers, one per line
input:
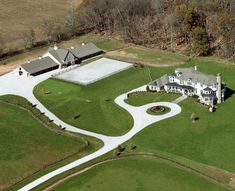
(55, 47)
(219, 88)
(195, 67)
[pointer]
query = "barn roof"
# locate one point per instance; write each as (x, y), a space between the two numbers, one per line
(59, 54)
(85, 50)
(39, 65)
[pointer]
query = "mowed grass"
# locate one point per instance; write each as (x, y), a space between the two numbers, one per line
(135, 174)
(26, 145)
(210, 140)
(143, 98)
(95, 102)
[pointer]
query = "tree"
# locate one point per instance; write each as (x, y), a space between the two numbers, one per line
(2, 45)
(190, 17)
(200, 41)
(227, 30)
(48, 30)
(29, 38)
(71, 22)
(169, 23)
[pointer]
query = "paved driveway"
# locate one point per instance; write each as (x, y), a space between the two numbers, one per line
(12, 84)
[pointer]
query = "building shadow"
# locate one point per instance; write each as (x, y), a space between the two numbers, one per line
(229, 93)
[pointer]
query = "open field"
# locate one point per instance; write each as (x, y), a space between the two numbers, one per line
(27, 146)
(137, 174)
(149, 56)
(18, 17)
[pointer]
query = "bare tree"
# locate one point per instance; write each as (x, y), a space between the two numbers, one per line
(29, 38)
(169, 25)
(2, 45)
(48, 30)
(72, 22)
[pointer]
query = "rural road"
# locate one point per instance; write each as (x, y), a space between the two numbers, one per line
(15, 85)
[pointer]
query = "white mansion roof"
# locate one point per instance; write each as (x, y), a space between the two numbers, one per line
(195, 76)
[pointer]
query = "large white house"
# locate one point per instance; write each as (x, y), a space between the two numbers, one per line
(191, 82)
(58, 58)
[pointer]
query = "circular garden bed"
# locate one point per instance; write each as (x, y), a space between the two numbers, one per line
(158, 110)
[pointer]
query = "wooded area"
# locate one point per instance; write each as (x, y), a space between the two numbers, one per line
(194, 27)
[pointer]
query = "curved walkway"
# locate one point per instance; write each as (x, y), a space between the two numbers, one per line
(13, 84)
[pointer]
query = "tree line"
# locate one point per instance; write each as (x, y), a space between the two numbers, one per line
(198, 27)
(204, 27)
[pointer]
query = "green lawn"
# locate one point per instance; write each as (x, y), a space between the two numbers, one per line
(137, 174)
(153, 56)
(94, 103)
(210, 140)
(143, 98)
(26, 145)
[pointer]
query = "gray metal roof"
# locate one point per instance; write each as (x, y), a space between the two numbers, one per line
(196, 76)
(85, 50)
(161, 81)
(209, 95)
(207, 89)
(39, 65)
(179, 86)
(59, 54)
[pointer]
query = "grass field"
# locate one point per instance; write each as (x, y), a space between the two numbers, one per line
(149, 56)
(95, 103)
(137, 174)
(210, 140)
(28, 146)
(149, 97)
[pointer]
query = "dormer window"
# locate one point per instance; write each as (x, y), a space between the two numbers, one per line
(172, 78)
(207, 91)
(179, 74)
